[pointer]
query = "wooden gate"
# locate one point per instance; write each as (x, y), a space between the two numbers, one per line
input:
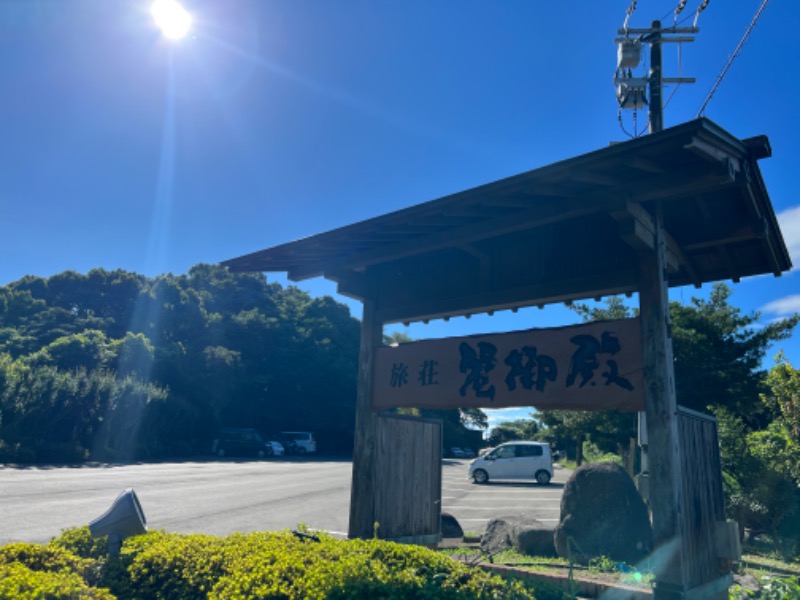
(408, 479)
(703, 503)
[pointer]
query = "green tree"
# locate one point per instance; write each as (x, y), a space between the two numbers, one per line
(761, 472)
(783, 401)
(520, 429)
(89, 350)
(719, 351)
(134, 355)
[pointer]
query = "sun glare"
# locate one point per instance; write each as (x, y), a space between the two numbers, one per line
(173, 20)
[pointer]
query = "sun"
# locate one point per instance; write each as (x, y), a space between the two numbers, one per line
(173, 20)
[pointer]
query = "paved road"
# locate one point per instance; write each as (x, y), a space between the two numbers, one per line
(221, 497)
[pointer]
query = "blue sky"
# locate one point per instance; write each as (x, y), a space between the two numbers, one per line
(277, 119)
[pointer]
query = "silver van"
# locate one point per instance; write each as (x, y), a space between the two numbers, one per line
(514, 460)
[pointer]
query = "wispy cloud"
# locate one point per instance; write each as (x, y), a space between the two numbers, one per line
(500, 415)
(788, 305)
(789, 221)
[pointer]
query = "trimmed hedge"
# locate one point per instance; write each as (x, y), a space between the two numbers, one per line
(19, 582)
(160, 565)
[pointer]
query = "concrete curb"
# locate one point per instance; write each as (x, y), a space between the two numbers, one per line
(589, 588)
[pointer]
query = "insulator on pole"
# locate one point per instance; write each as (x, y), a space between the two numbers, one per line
(701, 8)
(628, 13)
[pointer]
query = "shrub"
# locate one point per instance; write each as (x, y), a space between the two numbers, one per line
(45, 558)
(19, 582)
(772, 588)
(281, 565)
(80, 542)
(593, 454)
(333, 569)
(159, 565)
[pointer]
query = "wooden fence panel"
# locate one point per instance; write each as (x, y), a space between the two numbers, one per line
(703, 498)
(408, 479)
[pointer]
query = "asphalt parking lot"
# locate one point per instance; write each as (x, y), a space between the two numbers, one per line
(224, 496)
(474, 505)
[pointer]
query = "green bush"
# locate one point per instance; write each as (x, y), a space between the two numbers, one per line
(79, 541)
(333, 569)
(46, 558)
(593, 454)
(166, 566)
(772, 588)
(19, 582)
(281, 565)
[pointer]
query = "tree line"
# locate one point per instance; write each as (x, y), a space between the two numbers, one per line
(113, 365)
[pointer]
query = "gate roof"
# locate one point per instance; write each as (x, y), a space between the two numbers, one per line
(566, 231)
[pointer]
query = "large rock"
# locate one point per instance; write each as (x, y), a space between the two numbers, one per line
(604, 515)
(521, 532)
(451, 528)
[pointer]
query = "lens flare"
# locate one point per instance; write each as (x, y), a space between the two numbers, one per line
(173, 20)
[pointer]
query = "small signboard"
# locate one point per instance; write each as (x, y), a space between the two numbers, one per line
(594, 366)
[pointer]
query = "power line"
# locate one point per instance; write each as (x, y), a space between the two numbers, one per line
(733, 56)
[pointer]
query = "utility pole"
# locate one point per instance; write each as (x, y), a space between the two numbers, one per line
(630, 89)
(661, 451)
(656, 113)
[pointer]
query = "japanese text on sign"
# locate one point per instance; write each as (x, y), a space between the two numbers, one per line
(596, 366)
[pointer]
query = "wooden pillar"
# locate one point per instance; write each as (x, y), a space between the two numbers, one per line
(362, 489)
(666, 484)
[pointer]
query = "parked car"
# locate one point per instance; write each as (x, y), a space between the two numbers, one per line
(457, 453)
(468, 452)
(514, 460)
(306, 444)
(241, 442)
(277, 448)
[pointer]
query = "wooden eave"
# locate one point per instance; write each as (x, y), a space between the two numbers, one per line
(566, 231)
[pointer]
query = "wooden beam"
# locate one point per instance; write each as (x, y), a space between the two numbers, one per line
(353, 285)
(519, 221)
(662, 421)
(666, 189)
(473, 211)
(484, 264)
(578, 288)
(758, 146)
(644, 164)
(595, 178)
(363, 488)
(746, 234)
(720, 248)
(636, 227)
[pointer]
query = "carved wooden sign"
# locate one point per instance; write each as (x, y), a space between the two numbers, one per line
(594, 366)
